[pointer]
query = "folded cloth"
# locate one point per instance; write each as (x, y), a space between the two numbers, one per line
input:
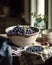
(5, 52)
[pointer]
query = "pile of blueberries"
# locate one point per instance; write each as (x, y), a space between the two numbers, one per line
(19, 30)
(34, 49)
(29, 31)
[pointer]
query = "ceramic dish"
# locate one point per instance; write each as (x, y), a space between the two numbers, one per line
(22, 39)
(34, 49)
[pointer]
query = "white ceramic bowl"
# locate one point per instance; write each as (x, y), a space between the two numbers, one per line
(34, 49)
(22, 40)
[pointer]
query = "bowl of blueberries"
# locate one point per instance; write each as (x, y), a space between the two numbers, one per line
(22, 35)
(34, 49)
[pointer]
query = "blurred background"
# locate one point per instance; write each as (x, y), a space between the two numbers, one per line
(14, 12)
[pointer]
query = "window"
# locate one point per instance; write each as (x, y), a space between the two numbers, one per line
(40, 6)
(33, 8)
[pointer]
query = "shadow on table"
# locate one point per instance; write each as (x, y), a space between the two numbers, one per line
(33, 59)
(30, 59)
(47, 62)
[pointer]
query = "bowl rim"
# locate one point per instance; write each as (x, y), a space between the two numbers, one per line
(11, 27)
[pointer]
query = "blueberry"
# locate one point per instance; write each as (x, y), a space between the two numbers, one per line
(20, 29)
(16, 28)
(13, 32)
(29, 31)
(29, 49)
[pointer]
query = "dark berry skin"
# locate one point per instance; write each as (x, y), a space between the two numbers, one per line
(34, 49)
(29, 31)
(16, 28)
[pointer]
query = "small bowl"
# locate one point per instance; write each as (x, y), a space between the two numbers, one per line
(22, 40)
(47, 34)
(34, 49)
